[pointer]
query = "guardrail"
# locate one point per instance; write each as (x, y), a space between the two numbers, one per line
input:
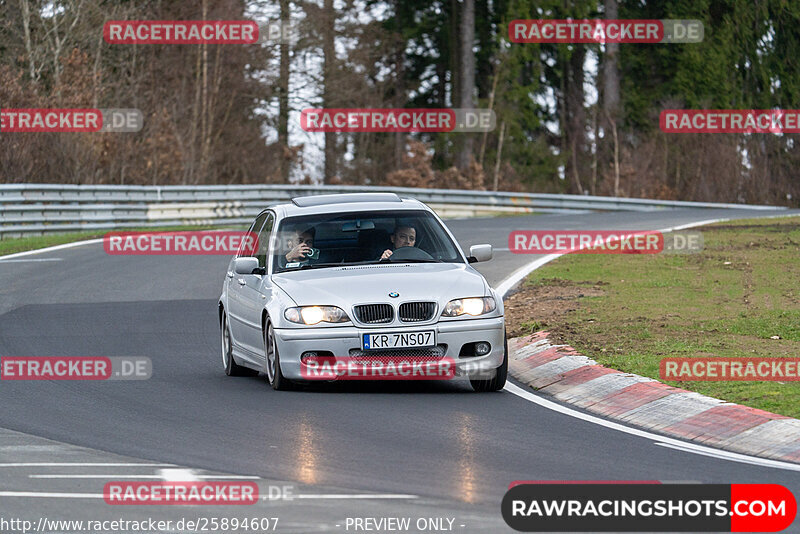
(35, 209)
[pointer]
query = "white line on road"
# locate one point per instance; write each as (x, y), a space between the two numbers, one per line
(81, 464)
(660, 440)
(159, 477)
(718, 453)
(178, 475)
(51, 495)
(68, 495)
(30, 260)
(354, 496)
(51, 249)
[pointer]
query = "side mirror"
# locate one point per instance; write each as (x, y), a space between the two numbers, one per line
(245, 265)
(480, 253)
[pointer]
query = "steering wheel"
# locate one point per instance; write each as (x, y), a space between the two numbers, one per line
(409, 253)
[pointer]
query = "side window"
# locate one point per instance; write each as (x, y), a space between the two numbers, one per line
(254, 228)
(263, 240)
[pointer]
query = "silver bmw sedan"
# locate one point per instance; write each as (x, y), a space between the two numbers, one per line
(363, 286)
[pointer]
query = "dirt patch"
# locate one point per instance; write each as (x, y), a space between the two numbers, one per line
(543, 305)
(788, 227)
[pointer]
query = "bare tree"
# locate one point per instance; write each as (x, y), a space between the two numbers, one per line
(574, 115)
(611, 92)
(467, 71)
(283, 98)
(329, 59)
(59, 20)
(25, 8)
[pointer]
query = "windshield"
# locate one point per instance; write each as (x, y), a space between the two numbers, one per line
(357, 238)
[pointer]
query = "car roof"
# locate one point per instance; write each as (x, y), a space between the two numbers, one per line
(337, 203)
(344, 198)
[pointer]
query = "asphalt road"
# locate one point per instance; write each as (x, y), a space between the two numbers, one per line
(434, 440)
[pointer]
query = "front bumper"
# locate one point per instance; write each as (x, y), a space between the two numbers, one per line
(340, 341)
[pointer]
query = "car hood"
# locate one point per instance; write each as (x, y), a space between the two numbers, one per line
(362, 284)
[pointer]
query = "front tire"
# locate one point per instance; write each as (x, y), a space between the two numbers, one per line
(272, 363)
(230, 365)
(498, 381)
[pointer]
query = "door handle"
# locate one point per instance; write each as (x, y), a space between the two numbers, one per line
(241, 281)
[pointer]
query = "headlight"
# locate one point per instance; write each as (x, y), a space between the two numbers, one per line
(316, 314)
(473, 306)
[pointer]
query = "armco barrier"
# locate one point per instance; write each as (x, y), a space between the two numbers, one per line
(35, 209)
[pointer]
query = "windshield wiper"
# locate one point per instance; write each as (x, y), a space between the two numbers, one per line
(415, 260)
(369, 262)
(320, 265)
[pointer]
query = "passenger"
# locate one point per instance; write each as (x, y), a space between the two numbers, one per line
(301, 245)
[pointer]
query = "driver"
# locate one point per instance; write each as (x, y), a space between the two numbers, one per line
(403, 236)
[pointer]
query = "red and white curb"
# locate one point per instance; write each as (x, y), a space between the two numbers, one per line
(560, 371)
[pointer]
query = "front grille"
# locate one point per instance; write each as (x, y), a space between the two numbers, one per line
(374, 313)
(414, 312)
(421, 354)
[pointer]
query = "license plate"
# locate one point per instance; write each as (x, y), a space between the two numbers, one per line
(399, 340)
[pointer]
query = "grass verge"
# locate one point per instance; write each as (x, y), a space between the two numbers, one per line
(23, 244)
(628, 312)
